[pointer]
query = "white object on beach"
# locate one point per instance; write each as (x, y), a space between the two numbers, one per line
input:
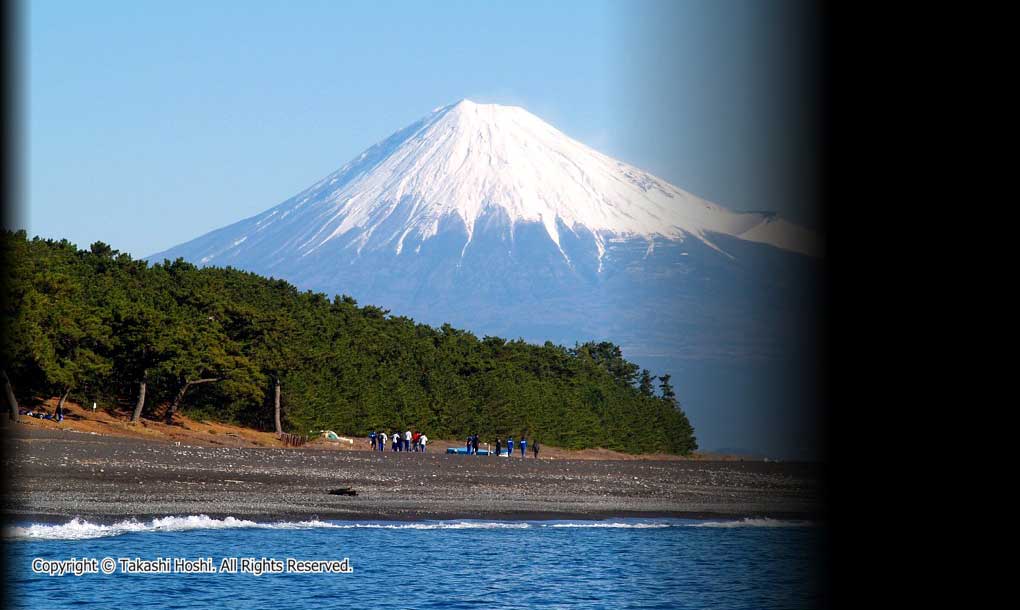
(333, 436)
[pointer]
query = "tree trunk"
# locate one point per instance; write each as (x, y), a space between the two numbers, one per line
(279, 426)
(12, 400)
(137, 415)
(63, 399)
(60, 405)
(177, 401)
(180, 396)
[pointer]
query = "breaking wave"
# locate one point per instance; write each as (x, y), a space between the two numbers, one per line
(594, 524)
(79, 529)
(749, 522)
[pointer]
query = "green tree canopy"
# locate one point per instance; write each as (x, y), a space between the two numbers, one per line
(213, 342)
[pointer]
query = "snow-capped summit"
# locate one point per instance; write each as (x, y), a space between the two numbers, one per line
(467, 161)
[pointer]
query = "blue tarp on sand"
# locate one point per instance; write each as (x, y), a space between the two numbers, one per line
(464, 451)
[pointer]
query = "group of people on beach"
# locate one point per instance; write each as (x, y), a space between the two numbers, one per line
(472, 446)
(408, 441)
(417, 442)
(510, 447)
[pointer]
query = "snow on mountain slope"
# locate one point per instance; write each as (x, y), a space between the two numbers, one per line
(466, 162)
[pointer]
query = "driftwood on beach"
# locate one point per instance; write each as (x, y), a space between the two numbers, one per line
(292, 440)
(343, 491)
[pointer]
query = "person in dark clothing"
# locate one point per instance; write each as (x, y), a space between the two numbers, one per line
(474, 444)
(371, 438)
(497, 447)
(534, 449)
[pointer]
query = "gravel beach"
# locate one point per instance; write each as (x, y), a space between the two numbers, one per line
(54, 475)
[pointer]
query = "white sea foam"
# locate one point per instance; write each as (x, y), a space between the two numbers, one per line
(592, 524)
(749, 522)
(78, 529)
(441, 525)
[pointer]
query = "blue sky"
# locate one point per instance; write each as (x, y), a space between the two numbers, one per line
(146, 124)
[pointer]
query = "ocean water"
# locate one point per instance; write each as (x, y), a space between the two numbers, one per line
(619, 563)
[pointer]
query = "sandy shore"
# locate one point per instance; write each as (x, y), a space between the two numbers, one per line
(57, 474)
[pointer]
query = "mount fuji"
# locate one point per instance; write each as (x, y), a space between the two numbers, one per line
(486, 217)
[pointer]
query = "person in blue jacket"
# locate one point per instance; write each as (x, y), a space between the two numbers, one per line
(524, 447)
(509, 446)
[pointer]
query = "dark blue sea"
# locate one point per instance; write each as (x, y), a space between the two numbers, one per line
(619, 563)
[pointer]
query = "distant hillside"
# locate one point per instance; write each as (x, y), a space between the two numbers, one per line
(220, 343)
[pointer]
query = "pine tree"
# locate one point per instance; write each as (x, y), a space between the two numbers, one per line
(233, 346)
(646, 386)
(667, 389)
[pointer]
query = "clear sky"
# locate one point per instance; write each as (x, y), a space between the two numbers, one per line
(145, 124)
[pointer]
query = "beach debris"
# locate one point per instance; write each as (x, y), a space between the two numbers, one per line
(343, 491)
(292, 440)
(329, 435)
